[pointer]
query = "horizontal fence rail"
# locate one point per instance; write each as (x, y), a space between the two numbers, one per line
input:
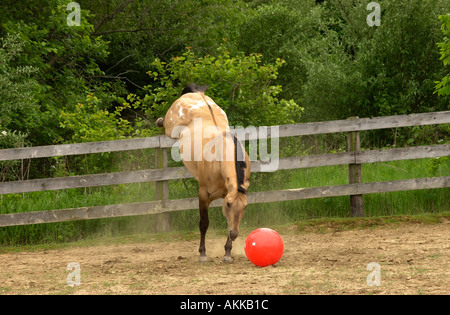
(360, 124)
(162, 206)
(353, 158)
(150, 175)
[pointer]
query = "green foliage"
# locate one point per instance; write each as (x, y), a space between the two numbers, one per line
(14, 139)
(57, 63)
(241, 85)
(393, 67)
(11, 170)
(398, 66)
(18, 105)
(140, 31)
(284, 29)
(338, 66)
(443, 87)
(90, 123)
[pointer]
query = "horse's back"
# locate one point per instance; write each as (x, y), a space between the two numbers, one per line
(190, 106)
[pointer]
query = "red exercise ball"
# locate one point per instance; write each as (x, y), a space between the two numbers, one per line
(264, 247)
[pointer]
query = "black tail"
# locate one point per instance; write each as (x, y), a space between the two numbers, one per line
(240, 165)
(194, 88)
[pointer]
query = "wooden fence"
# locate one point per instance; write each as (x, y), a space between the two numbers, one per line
(162, 174)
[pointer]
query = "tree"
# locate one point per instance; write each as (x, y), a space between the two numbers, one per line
(58, 66)
(283, 29)
(376, 71)
(443, 86)
(140, 31)
(399, 62)
(18, 104)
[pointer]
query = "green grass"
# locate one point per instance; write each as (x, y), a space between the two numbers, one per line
(269, 214)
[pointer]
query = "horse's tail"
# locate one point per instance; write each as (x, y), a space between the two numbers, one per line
(239, 163)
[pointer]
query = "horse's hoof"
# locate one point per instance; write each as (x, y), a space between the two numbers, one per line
(227, 259)
(203, 259)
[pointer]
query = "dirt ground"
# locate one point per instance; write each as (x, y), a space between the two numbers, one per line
(413, 259)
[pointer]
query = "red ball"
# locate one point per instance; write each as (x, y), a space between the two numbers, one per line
(264, 247)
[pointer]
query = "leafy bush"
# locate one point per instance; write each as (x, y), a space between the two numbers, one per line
(51, 66)
(241, 85)
(11, 170)
(90, 123)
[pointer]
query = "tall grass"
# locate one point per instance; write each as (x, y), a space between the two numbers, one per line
(396, 203)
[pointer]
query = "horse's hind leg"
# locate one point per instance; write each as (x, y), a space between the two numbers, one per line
(203, 199)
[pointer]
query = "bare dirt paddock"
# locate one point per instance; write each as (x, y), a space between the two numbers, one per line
(414, 259)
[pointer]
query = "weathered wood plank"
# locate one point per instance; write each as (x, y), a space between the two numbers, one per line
(94, 180)
(361, 124)
(79, 148)
(305, 161)
(409, 153)
(167, 142)
(160, 206)
(350, 189)
(283, 131)
(97, 212)
(359, 157)
(324, 127)
(171, 173)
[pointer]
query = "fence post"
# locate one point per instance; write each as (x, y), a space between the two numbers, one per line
(354, 173)
(161, 191)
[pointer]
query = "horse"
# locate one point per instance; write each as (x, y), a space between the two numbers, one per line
(213, 155)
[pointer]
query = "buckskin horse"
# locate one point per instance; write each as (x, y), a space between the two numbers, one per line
(202, 130)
